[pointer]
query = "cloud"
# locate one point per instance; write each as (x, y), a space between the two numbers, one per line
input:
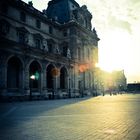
(118, 23)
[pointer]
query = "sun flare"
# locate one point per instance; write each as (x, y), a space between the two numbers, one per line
(113, 54)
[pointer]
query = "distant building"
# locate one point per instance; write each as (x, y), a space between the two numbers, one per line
(133, 87)
(49, 54)
(114, 81)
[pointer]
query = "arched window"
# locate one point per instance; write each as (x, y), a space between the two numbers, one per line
(14, 73)
(63, 78)
(49, 77)
(35, 75)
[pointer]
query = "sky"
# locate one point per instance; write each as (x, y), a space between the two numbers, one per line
(118, 26)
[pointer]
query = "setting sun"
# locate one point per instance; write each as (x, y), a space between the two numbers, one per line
(115, 53)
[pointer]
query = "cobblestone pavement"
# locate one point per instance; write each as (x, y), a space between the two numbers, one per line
(100, 118)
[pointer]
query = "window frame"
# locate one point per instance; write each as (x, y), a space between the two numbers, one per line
(22, 16)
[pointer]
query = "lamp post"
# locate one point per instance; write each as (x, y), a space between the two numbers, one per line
(32, 77)
(69, 58)
(69, 80)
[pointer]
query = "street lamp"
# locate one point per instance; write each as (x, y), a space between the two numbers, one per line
(32, 77)
(69, 80)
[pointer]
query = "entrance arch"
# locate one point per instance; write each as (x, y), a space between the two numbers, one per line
(63, 78)
(35, 72)
(49, 77)
(14, 73)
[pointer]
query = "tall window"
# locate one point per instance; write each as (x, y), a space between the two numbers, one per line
(79, 54)
(38, 24)
(38, 39)
(65, 49)
(23, 16)
(88, 53)
(38, 43)
(50, 30)
(50, 48)
(21, 36)
(4, 27)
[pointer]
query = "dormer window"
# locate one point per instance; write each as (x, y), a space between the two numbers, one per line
(22, 16)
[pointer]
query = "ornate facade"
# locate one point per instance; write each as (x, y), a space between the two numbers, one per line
(49, 54)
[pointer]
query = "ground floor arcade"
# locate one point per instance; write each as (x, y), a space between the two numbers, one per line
(33, 77)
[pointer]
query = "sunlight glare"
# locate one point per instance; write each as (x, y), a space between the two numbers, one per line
(115, 54)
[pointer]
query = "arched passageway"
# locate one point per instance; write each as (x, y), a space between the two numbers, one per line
(35, 75)
(49, 77)
(63, 78)
(14, 73)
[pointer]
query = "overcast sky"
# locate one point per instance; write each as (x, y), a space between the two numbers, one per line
(118, 26)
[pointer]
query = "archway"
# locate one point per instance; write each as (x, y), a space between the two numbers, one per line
(49, 77)
(14, 73)
(35, 75)
(63, 78)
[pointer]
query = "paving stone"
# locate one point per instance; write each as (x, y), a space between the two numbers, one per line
(100, 118)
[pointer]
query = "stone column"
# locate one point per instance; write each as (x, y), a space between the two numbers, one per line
(44, 82)
(55, 84)
(26, 81)
(3, 78)
(3, 74)
(21, 80)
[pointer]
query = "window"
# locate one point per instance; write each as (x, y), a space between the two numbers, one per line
(23, 16)
(50, 49)
(4, 8)
(22, 37)
(38, 40)
(88, 53)
(65, 49)
(38, 24)
(38, 43)
(79, 54)
(4, 27)
(65, 33)
(50, 30)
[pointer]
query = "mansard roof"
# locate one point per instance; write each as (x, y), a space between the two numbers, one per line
(55, 1)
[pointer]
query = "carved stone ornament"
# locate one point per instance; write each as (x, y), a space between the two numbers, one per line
(45, 46)
(68, 53)
(57, 50)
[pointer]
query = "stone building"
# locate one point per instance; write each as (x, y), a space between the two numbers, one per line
(115, 81)
(49, 54)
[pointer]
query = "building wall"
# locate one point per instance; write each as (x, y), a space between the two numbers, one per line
(62, 56)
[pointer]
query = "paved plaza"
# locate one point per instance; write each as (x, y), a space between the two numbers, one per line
(96, 118)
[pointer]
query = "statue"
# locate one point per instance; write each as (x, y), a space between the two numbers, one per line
(68, 53)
